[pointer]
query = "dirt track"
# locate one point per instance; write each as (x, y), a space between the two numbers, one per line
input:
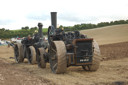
(11, 75)
(112, 71)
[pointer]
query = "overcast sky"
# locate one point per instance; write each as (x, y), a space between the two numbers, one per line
(15, 14)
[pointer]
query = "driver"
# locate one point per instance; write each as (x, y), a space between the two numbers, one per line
(29, 37)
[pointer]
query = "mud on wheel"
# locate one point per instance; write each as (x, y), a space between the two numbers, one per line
(58, 62)
(31, 55)
(18, 53)
(40, 56)
(95, 60)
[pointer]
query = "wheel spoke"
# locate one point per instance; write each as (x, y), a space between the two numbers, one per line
(55, 65)
(53, 50)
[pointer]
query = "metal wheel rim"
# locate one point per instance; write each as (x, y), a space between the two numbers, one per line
(16, 53)
(29, 55)
(53, 62)
(39, 59)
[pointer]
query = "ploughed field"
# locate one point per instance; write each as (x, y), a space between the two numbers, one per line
(108, 34)
(113, 69)
(114, 51)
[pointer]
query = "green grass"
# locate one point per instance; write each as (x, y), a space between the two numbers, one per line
(45, 30)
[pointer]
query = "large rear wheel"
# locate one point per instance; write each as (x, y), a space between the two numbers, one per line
(31, 55)
(18, 53)
(57, 58)
(41, 59)
(95, 60)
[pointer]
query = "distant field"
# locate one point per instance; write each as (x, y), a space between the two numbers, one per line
(109, 34)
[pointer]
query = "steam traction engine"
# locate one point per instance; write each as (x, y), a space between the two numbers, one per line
(31, 47)
(70, 49)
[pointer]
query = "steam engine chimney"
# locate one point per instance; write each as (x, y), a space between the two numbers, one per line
(54, 19)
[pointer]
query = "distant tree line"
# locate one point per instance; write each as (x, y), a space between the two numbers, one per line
(91, 26)
(25, 31)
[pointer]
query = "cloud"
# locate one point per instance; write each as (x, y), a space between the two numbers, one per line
(18, 13)
(5, 21)
(37, 16)
(78, 19)
(70, 17)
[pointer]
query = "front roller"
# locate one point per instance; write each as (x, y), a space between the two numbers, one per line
(31, 55)
(18, 53)
(57, 58)
(95, 60)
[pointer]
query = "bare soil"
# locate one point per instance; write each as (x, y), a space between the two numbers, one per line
(108, 34)
(113, 70)
(114, 51)
(13, 75)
